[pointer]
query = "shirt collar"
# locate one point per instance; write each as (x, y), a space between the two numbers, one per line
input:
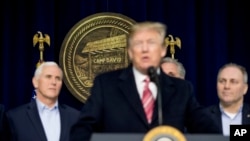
(222, 110)
(41, 106)
(141, 77)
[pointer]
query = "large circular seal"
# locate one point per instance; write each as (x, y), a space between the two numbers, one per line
(94, 45)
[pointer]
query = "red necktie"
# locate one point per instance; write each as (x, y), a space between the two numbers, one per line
(148, 101)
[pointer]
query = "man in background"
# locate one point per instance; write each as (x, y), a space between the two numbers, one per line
(173, 68)
(232, 85)
(44, 118)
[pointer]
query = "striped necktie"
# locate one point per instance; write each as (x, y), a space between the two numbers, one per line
(148, 100)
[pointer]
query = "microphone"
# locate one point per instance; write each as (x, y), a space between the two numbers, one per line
(153, 75)
(155, 78)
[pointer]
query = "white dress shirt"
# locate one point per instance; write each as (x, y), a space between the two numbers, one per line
(139, 80)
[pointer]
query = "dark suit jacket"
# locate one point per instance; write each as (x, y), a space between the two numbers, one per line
(26, 125)
(215, 113)
(114, 106)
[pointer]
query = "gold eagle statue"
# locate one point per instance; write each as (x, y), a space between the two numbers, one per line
(169, 41)
(38, 38)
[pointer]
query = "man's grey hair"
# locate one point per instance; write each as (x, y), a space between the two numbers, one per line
(241, 68)
(180, 67)
(39, 69)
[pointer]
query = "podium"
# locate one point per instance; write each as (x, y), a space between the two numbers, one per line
(139, 137)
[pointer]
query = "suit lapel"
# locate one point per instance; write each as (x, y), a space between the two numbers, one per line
(128, 87)
(216, 115)
(64, 123)
(34, 117)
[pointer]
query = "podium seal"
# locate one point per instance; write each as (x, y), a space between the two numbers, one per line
(164, 133)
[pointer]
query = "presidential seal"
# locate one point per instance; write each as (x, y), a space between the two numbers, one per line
(94, 45)
(164, 133)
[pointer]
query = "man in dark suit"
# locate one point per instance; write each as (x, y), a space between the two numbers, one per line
(43, 119)
(115, 104)
(231, 87)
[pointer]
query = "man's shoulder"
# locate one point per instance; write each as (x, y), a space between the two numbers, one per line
(18, 109)
(214, 108)
(69, 113)
(246, 106)
(177, 81)
(69, 109)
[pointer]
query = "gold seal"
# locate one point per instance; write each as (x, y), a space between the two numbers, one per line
(164, 133)
(94, 45)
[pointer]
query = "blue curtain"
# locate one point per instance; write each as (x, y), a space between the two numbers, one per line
(212, 33)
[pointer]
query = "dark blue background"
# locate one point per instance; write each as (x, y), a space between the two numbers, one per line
(213, 32)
